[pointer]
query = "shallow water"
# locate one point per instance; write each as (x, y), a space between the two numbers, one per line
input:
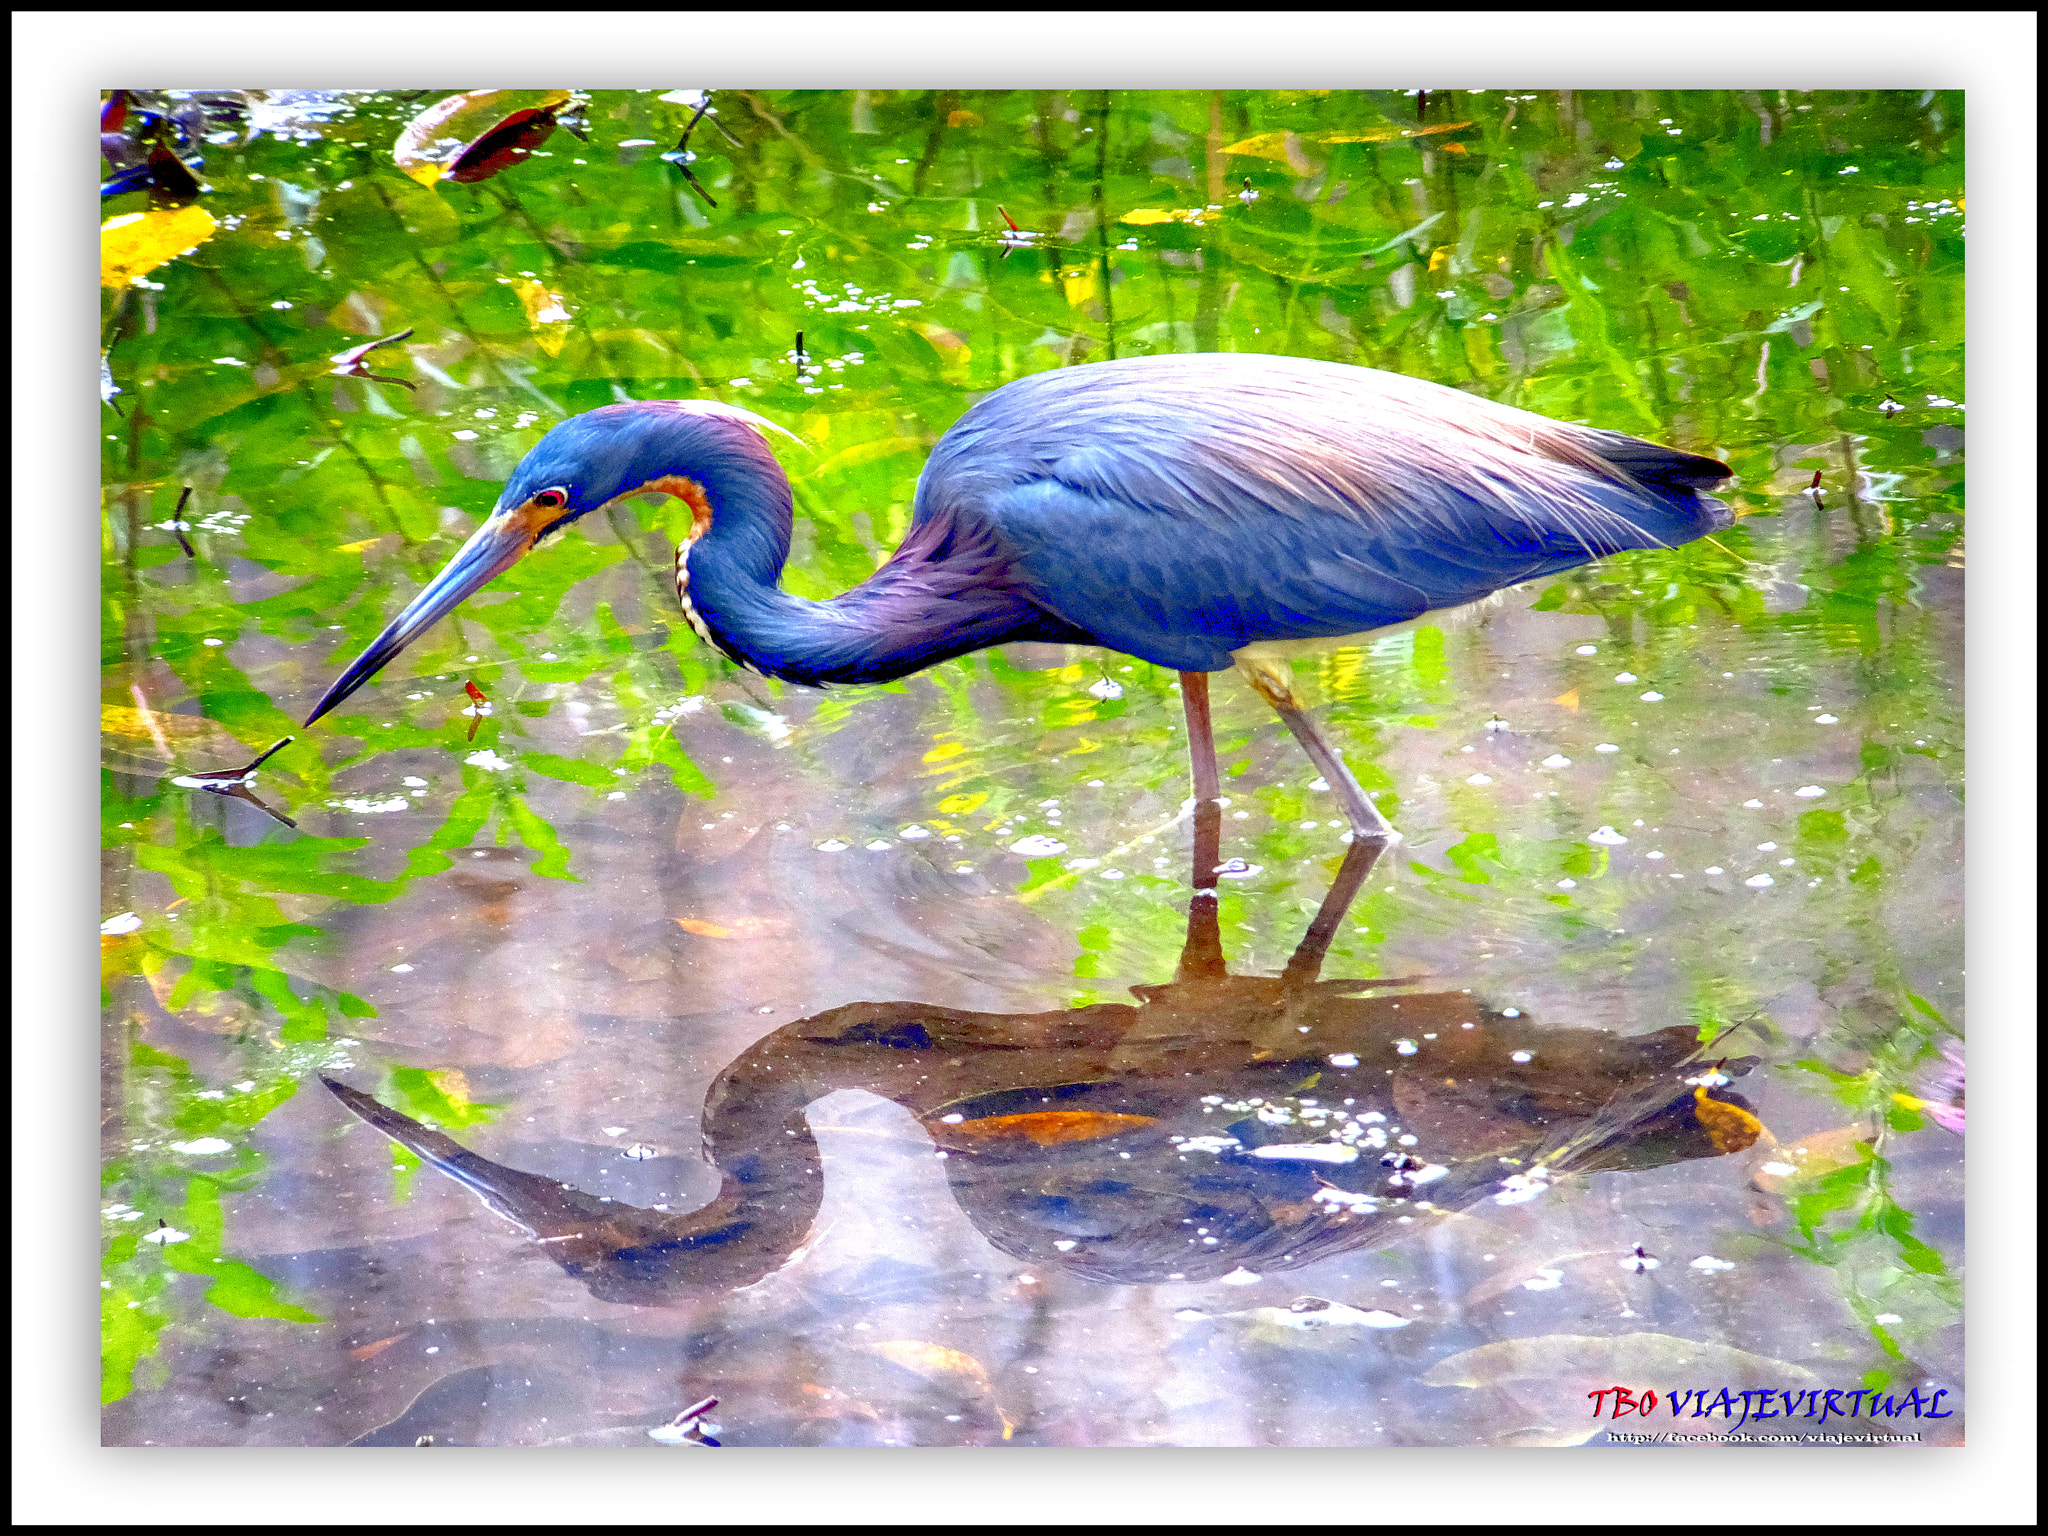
(1672, 809)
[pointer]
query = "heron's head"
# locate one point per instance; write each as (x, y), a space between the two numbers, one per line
(581, 466)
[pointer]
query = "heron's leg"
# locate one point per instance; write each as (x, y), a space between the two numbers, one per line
(1307, 960)
(1202, 954)
(1194, 697)
(1277, 689)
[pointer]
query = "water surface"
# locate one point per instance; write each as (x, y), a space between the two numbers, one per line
(1677, 809)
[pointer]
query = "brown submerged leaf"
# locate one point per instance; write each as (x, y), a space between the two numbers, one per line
(1563, 1359)
(1048, 1127)
(432, 144)
(1729, 1127)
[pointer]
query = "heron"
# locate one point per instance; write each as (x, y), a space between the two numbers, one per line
(1196, 511)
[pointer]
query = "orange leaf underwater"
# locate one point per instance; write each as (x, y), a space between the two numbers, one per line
(1050, 1127)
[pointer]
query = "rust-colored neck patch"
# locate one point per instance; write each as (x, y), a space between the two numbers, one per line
(692, 494)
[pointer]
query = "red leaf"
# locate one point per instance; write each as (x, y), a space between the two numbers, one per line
(504, 146)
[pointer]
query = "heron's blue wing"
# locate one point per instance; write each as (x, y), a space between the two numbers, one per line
(1179, 508)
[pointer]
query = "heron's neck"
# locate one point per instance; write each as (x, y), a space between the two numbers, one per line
(943, 593)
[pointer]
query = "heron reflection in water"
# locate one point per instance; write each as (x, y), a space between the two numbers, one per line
(1194, 511)
(1221, 1121)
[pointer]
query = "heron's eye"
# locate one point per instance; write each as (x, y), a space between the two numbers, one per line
(551, 499)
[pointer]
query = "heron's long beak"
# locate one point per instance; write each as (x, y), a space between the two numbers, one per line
(493, 548)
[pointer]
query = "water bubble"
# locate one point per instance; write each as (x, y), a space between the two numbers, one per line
(204, 1146)
(1758, 882)
(126, 922)
(1607, 746)
(1827, 719)
(1037, 845)
(1607, 836)
(1405, 1047)
(1522, 1056)
(877, 845)
(831, 845)
(1809, 791)
(1557, 760)
(1589, 650)
(1652, 697)
(1625, 677)
(1752, 805)
(1479, 778)
(1566, 884)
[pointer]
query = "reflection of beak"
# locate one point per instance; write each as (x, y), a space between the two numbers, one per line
(493, 548)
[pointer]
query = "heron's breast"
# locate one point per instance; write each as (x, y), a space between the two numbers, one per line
(1443, 618)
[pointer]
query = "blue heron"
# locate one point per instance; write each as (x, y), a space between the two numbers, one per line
(1194, 511)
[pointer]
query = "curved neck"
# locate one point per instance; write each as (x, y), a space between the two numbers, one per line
(947, 590)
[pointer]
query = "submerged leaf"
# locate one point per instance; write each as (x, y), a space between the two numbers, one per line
(546, 311)
(433, 143)
(137, 243)
(504, 146)
(1049, 1127)
(1571, 1357)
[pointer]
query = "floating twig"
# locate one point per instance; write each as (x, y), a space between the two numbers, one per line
(477, 710)
(352, 365)
(688, 1426)
(178, 523)
(233, 783)
(681, 158)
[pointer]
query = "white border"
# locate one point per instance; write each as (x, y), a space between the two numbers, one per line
(62, 58)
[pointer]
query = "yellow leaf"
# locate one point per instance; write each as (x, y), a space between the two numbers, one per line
(119, 720)
(963, 120)
(1280, 144)
(1388, 134)
(935, 1361)
(1569, 700)
(698, 925)
(1439, 258)
(1078, 283)
(545, 310)
(135, 243)
(944, 750)
(430, 143)
(931, 1359)
(962, 805)
(1454, 149)
(1167, 216)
